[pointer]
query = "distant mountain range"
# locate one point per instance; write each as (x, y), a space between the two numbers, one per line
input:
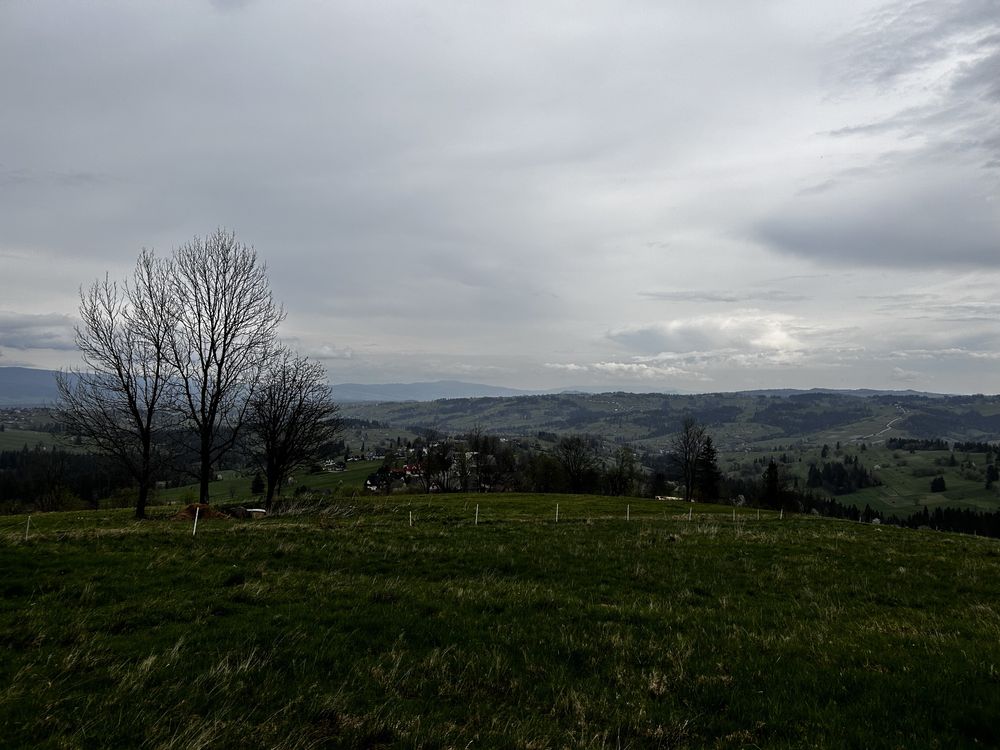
(428, 391)
(23, 386)
(858, 392)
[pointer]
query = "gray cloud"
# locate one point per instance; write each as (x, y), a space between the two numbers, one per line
(942, 224)
(21, 178)
(931, 197)
(903, 37)
(231, 5)
(450, 188)
(21, 331)
(770, 295)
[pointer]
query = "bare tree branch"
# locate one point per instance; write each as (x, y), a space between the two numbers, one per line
(684, 452)
(290, 418)
(115, 402)
(222, 340)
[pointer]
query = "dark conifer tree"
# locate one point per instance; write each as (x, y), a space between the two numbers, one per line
(772, 486)
(992, 475)
(708, 476)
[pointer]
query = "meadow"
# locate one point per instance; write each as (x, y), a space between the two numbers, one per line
(235, 485)
(343, 625)
(904, 477)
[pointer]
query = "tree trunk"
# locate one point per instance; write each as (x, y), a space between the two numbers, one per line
(145, 475)
(140, 505)
(269, 495)
(205, 470)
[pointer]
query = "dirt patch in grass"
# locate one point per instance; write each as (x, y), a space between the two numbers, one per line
(203, 511)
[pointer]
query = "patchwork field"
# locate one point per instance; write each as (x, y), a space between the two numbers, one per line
(349, 627)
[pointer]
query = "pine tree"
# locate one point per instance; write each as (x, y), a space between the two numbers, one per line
(772, 486)
(707, 473)
(992, 475)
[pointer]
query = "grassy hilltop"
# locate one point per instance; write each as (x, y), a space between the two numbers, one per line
(351, 628)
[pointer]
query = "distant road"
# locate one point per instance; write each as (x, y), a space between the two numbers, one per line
(888, 426)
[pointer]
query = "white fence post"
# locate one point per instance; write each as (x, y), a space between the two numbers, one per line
(194, 531)
(557, 512)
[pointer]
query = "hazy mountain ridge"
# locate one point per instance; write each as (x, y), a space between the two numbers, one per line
(25, 386)
(423, 391)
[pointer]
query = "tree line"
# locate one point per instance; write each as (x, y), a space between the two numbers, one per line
(182, 358)
(579, 464)
(43, 479)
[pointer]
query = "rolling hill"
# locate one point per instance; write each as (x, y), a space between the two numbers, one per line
(737, 421)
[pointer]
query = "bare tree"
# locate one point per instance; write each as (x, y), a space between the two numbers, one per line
(290, 418)
(115, 402)
(578, 456)
(685, 450)
(624, 474)
(222, 340)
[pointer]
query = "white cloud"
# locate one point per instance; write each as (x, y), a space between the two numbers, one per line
(742, 331)
(330, 351)
(899, 375)
(640, 370)
(943, 354)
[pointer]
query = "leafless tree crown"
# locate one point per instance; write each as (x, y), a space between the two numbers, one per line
(115, 401)
(685, 450)
(189, 338)
(223, 335)
(291, 416)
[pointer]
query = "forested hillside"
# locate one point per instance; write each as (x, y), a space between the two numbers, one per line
(737, 421)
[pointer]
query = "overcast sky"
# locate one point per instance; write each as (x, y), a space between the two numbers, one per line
(700, 196)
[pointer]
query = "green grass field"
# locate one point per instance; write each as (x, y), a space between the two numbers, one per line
(906, 481)
(348, 627)
(905, 477)
(235, 486)
(13, 439)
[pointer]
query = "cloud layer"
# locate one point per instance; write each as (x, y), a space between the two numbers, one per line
(680, 196)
